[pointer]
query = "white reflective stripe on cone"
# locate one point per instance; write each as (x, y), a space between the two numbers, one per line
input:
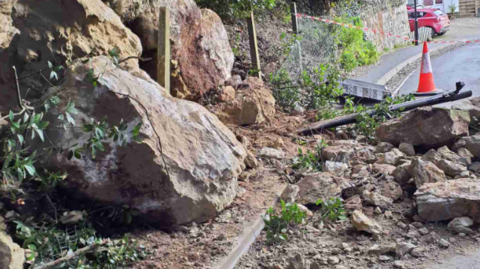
(426, 64)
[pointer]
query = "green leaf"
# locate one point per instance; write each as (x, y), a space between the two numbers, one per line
(77, 155)
(70, 155)
(40, 134)
(11, 144)
(88, 128)
(71, 108)
(20, 139)
(70, 119)
(30, 169)
(61, 117)
(50, 65)
(43, 125)
(10, 115)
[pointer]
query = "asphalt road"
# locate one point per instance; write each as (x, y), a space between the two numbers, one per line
(462, 64)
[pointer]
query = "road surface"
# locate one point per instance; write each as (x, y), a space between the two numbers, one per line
(462, 64)
(461, 29)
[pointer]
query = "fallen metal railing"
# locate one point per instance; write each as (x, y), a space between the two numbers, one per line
(430, 101)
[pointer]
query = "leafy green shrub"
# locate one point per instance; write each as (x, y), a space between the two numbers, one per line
(278, 224)
(311, 161)
(355, 50)
(331, 209)
(366, 124)
(285, 92)
(321, 87)
(49, 243)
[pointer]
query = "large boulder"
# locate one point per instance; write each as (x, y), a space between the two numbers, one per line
(426, 127)
(34, 32)
(12, 256)
(200, 47)
(184, 170)
(256, 104)
(448, 200)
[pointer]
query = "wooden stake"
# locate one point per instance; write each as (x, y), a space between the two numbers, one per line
(252, 34)
(293, 10)
(163, 66)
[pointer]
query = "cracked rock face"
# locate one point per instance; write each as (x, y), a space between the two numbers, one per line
(426, 127)
(448, 200)
(33, 33)
(200, 47)
(202, 155)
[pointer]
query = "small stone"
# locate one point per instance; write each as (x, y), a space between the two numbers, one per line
(417, 225)
(241, 191)
(418, 252)
(417, 218)
(444, 243)
(413, 234)
(423, 231)
(336, 251)
(289, 195)
(305, 209)
(403, 249)
(462, 235)
(398, 264)
(388, 214)
(384, 147)
(432, 238)
(251, 161)
(378, 211)
(278, 144)
(474, 167)
(336, 168)
(297, 110)
(272, 153)
(402, 225)
(71, 217)
(228, 94)
(9, 214)
(384, 258)
(297, 262)
(407, 149)
(363, 223)
(339, 267)
(221, 237)
(345, 245)
(333, 260)
(376, 199)
(460, 225)
(377, 249)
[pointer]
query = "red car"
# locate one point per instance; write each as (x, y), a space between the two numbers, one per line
(432, 18)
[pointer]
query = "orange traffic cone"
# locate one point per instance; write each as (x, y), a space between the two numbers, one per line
(426, 85)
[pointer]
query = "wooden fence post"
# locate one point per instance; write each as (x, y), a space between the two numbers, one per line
(163, 65)
(293, 10)
(252, 34)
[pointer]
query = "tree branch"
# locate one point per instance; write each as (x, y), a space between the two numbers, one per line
(135, 57)
(71, 256)
(18, 88)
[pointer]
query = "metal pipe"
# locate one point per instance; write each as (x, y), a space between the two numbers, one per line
(349, 119)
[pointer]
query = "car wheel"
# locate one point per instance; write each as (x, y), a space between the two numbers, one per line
(440, 34)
